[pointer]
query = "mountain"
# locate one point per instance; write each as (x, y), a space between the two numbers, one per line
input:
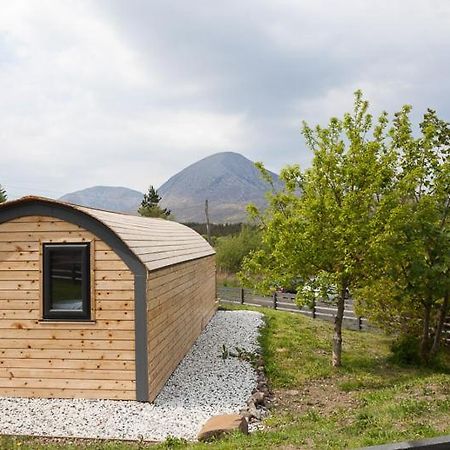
(113, 198)
(228, 180)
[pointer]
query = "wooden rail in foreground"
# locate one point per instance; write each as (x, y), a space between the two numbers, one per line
(286, 302)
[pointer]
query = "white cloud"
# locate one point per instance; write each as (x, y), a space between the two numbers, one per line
(77, 106)
(128, 93)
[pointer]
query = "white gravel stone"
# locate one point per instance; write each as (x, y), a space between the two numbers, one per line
(203, 385)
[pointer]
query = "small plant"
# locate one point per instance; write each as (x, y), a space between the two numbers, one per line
(174, 442)
(240, 353)
(225, 352)
(244, 355)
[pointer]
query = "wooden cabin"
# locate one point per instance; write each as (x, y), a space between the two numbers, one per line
(96, 304)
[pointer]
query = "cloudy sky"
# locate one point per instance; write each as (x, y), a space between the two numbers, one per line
(129, 92)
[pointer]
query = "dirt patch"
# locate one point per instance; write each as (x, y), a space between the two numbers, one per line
(322, 396)
(428, 392)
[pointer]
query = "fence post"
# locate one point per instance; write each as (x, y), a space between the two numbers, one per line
(274, 298)
(314, 309)
(242, 296)
(359, 323)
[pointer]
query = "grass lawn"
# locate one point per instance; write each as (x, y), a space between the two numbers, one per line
(369, 401)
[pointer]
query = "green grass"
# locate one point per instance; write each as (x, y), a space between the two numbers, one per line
(370, 400)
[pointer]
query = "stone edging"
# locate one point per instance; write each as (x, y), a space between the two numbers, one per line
(259, 402)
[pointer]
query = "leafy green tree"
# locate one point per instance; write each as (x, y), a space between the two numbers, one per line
(408, 277)
(150, 205)
(315, 231)
(231, 250)
(3, 195)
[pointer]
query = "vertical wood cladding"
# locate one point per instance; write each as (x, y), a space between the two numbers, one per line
(63, 359)
(181, 299)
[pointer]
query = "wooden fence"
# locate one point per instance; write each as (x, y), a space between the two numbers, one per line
(286, 302)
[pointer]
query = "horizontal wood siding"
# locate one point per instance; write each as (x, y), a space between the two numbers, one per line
(180, 300)
(63, 359)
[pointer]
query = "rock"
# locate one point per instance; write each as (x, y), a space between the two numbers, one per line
(255, 413)
(262, 386)
(258, 398)
(219, 425)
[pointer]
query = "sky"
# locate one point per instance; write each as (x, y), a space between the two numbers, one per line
(129, 92)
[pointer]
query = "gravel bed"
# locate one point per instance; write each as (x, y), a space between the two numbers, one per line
(203, 385)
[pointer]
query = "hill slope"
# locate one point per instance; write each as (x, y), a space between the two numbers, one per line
(113, 198)
(228, 180)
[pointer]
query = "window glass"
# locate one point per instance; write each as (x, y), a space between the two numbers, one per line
(66, 281)
(66, 277)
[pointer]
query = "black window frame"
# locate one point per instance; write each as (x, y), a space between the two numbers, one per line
(67, 315)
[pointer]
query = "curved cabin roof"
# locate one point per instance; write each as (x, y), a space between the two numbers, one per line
(156, 243)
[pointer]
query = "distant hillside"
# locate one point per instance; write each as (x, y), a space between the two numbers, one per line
(113, 198)
(228, 180)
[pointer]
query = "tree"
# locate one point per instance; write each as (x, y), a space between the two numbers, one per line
(3, 195)
(150, 205)
(315, 231)
(408, 278)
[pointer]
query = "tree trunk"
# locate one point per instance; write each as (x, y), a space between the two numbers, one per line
(425, 344)
(337, 337)
(440, 325)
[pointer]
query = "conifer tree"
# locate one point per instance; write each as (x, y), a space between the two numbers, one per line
(3, 195)
(150, 205)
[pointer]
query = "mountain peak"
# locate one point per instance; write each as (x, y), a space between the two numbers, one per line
(225, 156)
(228, 180)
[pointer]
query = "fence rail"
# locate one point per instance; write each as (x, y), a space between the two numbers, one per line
(286, 302)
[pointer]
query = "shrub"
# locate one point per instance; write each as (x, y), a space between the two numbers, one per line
(231, 250)
(406, 350)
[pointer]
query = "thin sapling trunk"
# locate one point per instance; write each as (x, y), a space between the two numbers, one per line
(425, 343)
(440, 325)
(337, 337)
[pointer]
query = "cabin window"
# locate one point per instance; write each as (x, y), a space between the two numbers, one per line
(66, 281)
